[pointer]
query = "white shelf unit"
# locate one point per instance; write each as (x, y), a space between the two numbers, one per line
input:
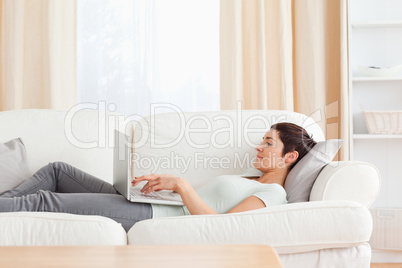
(375, 39)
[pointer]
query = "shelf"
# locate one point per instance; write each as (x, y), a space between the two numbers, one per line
(376, 136)
(369, 79)
(376, 24)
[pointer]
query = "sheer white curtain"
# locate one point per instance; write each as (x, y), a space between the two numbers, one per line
(136, 52)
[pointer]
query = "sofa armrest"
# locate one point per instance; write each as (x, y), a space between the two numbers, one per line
(290, 228)
(347, 180)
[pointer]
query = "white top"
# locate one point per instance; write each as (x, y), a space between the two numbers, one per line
(225, 192)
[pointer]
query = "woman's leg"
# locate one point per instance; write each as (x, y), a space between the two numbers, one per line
(79, 193)
(112, 206)
(61, 177)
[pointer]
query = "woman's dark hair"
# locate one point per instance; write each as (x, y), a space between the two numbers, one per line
(294, 138)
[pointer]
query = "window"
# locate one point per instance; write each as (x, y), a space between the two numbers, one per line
(136, 52)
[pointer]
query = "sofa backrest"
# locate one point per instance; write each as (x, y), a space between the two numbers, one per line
(82, 138)
(196, 146)
(201, 146)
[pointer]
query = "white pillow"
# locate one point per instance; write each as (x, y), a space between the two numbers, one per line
(301, 178)
(13, 164)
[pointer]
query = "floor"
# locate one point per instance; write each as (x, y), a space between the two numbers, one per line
(386, 265)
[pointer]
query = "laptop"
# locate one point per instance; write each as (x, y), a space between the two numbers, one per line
(122, 177)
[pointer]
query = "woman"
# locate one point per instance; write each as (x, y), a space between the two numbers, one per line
(59, 187)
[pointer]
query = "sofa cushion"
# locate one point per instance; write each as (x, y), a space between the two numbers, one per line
(13, 164)
(292, 228)
(56, 229)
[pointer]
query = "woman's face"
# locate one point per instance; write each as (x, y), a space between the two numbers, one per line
(269, 152)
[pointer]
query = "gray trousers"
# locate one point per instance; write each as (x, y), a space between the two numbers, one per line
(60, 187)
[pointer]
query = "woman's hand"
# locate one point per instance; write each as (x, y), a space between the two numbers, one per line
(158, 182)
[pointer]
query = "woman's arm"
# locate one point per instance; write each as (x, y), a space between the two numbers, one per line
(193, 202)
(196, 206)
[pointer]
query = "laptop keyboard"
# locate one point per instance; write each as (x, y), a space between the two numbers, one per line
(137, 193)
(163, 195)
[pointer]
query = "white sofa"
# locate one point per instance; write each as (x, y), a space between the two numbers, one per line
(332, 229)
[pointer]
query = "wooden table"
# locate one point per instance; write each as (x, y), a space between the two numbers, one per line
(164, 256)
